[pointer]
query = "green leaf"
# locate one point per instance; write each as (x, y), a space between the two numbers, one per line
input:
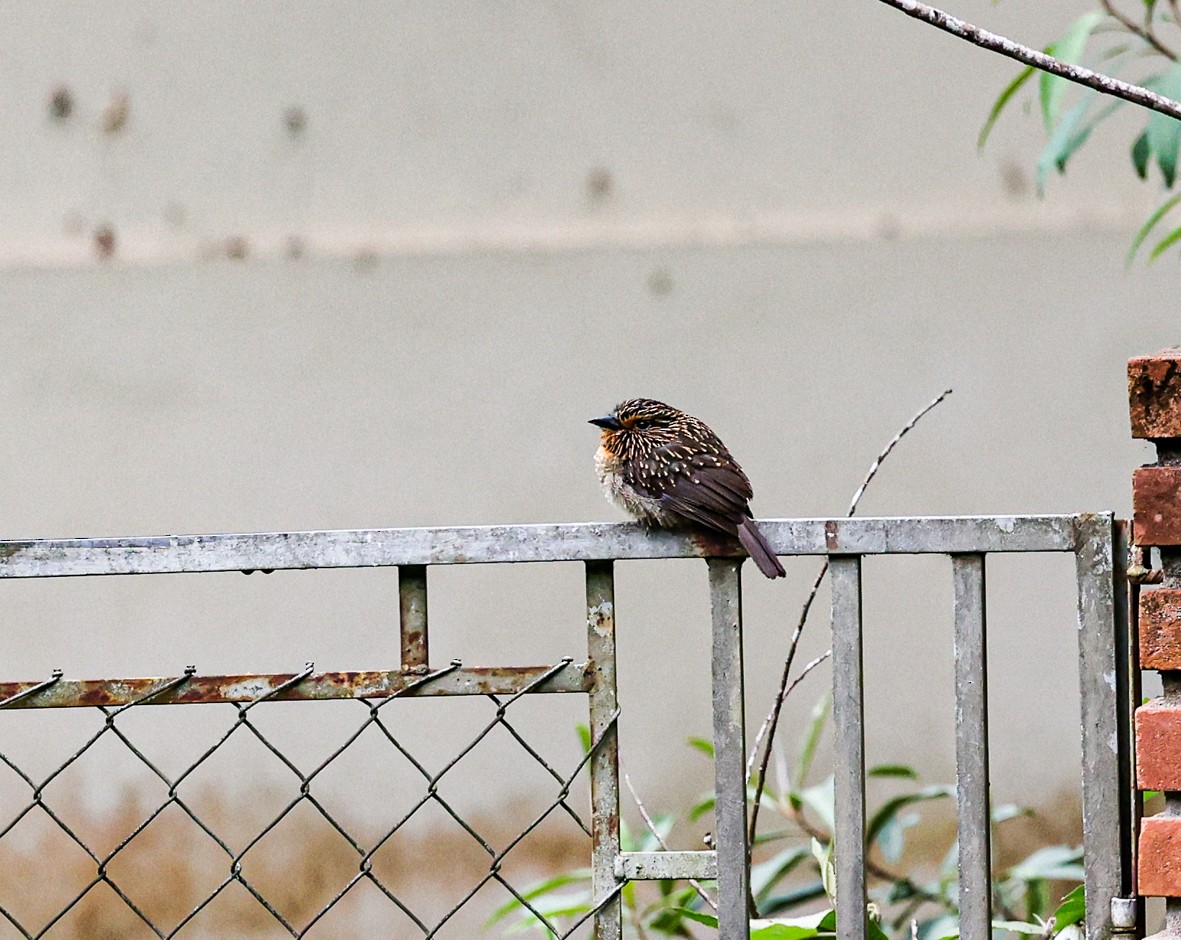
(1068, 49)
(701, 807)
(1150, 223)
(892, 838)
(999, 105)
(698, 917)
(893, 770)
(1165, 244)
(1019, 926)
(704, 745)
(821, 800)
(1164, 133)
(816, 723)
(1051, 863)
(828, 874)
(818, 924)
(1141, 154)
(537, 890)
(584, 737)
(785, 902)
(766, 875)
(1007, 811)
(1072, 909)
(1069, 134)
(890, 808)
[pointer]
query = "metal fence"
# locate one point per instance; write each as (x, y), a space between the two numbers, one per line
(1103, 669)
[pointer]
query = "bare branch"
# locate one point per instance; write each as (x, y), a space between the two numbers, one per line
(772, 720)
(1145, 32)
(1039, 60)
(701, 892)
(754, 751)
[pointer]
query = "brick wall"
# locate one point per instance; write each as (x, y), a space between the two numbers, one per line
(1154, 390)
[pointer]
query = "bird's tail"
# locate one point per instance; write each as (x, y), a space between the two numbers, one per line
(758, 549)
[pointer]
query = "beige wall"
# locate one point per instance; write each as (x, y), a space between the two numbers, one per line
(798, 242)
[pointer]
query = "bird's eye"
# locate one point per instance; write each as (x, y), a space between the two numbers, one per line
(643, 424)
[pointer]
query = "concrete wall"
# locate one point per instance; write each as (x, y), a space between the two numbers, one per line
(497, 221)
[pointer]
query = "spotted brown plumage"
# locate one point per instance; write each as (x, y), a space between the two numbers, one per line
(667, 468)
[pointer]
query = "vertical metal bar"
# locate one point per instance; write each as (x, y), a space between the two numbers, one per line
(1127, 682)
(412, 608)
(971, 747)
(1102, 837)
(600, 637)
(730, 838)
(849, 746)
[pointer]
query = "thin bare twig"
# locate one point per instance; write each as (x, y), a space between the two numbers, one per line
(701, 892)
(1145, 32)
(1039, 60)
(754, 751)
(773, 717)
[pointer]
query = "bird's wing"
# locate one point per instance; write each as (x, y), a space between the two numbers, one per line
(709, 489)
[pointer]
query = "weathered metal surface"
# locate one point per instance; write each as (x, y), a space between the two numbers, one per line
(69, 693)
(848, 747)
(661, 866)
(729, 721)
(604, 707)
(1128, 694)
(971, 747)
(1102, 836)
(412, 613)
(527, 543)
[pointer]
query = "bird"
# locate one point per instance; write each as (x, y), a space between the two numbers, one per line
(668, 469)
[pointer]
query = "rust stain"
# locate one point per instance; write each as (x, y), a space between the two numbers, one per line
(715, 544)
(830, 535)
(317, 686)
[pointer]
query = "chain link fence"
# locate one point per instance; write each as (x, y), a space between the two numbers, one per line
(247, 695)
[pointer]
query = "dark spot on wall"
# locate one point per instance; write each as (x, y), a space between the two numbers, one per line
(104, 242)
(600, 184)
(61, 103)
(660, 282)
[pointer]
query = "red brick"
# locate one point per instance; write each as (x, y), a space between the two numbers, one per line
(1160, 628)
(1154, 394)
(1158, 746)
(1156, 505)
(1158, 872)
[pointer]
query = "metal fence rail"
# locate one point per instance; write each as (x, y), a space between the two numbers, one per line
(1093, 539)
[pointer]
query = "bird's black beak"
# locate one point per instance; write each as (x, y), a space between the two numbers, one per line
(610, 422)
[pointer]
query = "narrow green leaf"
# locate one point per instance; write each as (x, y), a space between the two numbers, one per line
(1051, 863)
(999, 105)
(1164, 133)
(537, 890)
(816, 723)
(893, 770)
(1150, 223)
(584, 737)
(1069, 134)
(889, 809)
(766, 875)
(1070, 49)
(1165, 244)
(701, 807)
(698, 917)
(786, 902)
(704, 745)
